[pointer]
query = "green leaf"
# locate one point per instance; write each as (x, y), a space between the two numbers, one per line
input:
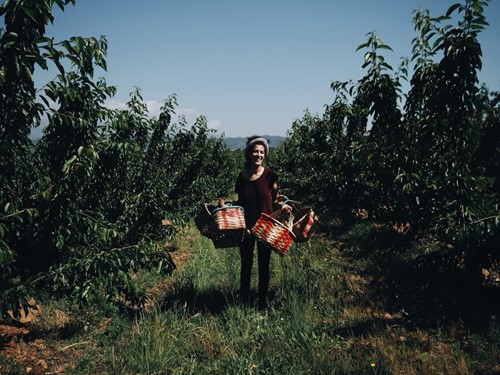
(361, 46)
(10, 36)
(453, 8)
(30, 13)
(3, 7)
(384, 46)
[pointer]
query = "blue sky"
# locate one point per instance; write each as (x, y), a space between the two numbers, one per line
(251, 67)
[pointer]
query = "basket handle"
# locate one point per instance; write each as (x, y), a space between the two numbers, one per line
(288, 222)
(285, 200)
(292, 202)
(207, 208)
(280, 198)
(226, 207)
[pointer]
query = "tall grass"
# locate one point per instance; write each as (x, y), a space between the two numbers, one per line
(324, 317)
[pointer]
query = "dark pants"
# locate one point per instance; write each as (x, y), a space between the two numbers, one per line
(264, 258)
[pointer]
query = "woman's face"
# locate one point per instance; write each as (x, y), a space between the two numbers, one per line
(257, 154)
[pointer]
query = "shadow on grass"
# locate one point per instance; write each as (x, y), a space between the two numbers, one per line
(427, 282)
(210, 301)
(434, 292)
(364, 328)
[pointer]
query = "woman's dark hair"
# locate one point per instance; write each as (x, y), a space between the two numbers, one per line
(248, 161)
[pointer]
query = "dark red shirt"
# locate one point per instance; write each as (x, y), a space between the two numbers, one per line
(256, 196)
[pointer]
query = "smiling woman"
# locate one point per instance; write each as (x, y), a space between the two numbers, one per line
(257, 189)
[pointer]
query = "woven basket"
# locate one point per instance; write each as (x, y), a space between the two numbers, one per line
(306, 224)
(274, 233)
(227, 226)
(203, 218)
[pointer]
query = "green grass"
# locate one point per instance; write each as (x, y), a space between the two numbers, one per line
(329, 313)
(325, 317)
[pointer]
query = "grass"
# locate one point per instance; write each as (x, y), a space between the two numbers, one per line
(335, 308)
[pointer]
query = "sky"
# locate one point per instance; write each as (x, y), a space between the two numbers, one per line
(250, 67)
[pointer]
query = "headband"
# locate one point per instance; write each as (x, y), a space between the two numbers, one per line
(259, 140)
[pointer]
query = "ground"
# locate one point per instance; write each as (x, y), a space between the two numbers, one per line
(25, 351)
(31, 355)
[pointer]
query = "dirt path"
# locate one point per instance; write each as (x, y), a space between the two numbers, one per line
(21, 352)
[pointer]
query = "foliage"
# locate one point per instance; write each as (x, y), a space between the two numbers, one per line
(428, 157)
(308, 146)
(89, 205)
(20, 52)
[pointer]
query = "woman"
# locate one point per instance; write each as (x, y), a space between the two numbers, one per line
(257, 189)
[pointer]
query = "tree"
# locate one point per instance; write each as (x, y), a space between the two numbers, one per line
(21, 46)
(83, 208)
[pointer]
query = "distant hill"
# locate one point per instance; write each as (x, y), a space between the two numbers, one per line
(234, 143)
(238, 143)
